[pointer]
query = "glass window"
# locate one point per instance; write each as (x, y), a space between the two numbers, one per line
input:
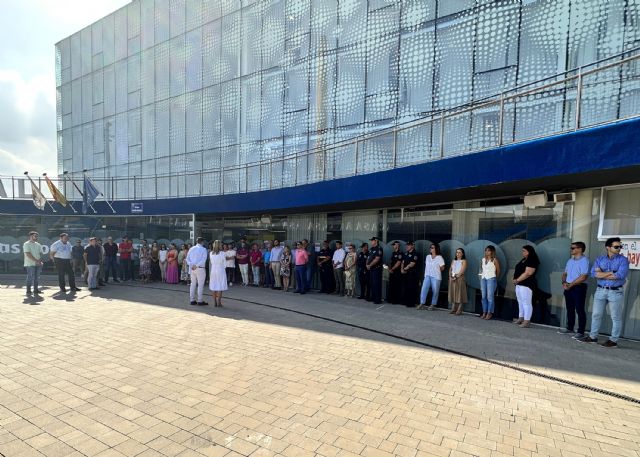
(87, 98)
(134, 27)
(121, 86)
(251, 40)
(162, 71)
(229, 112)
(194, 121)
(177, 16)
(211, 117)
(147, 23)
(162, 128)
(351, 81)
(416, 73)
(211, 43)
(85, 37)
(108, 39)
(176, 66)
(121, 33)
(250, 109)
(620, 213)
(273, 34)
(148, 122)
(417, 12)
(193, 51)
(147, 76)
(272, 96)
(161, 29)
(229, 47)
(76, 56)
(177, 133)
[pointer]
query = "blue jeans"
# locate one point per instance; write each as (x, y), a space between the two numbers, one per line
(33, 274)
(309, 279)
(616, 305)
(430, 283)
(110, 266)
(301, 278)
(488, 289)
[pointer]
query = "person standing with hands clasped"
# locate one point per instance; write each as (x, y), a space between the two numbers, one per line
(610, 270)
(196, 260)
(575, 289)
(524, 278)
(433, 268)
(374, 265)
(394, 287)
(32, 262)
(60, 253)
(457, 282)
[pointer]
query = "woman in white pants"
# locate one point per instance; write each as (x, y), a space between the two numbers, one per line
(524, 278)
(217, 273)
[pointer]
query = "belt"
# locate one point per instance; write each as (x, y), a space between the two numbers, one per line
(610, 287)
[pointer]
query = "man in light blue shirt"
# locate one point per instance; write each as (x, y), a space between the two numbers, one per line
(274, 260)
(574, 284)
(610, 270)
(196, 260)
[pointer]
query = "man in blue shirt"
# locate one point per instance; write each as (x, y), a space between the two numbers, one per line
(574, 284)
(610, 271)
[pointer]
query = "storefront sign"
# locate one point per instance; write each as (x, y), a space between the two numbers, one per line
(631, 250)
(137, 208)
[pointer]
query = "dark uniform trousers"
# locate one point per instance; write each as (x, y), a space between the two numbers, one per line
(363, 279)
(376, 284)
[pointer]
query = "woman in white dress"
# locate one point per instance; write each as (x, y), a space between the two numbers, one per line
(217, 273)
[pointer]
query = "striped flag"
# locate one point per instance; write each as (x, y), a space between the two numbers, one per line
(55, 192)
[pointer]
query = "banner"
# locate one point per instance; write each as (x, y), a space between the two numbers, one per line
(631, 250)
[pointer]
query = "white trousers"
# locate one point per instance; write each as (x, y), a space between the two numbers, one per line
(525, 305)
(244, 271)
(197, 280)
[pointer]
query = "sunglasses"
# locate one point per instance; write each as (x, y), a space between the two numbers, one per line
(616, 246)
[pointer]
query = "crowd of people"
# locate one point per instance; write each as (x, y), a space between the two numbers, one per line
(342, 271)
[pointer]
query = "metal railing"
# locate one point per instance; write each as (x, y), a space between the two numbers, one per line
(603, 92)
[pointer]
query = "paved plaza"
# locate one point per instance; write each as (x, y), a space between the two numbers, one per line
(136, 371)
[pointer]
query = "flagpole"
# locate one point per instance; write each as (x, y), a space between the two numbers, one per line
(105, 198)
(68, 202)
(78, 189)
(26, 173)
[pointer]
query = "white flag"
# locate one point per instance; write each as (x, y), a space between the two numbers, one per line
(39, 200)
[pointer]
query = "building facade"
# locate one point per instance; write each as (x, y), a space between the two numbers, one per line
(173, 87)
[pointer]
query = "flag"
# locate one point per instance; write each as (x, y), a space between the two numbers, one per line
(39, 200)
(90, 194)
(55, 192)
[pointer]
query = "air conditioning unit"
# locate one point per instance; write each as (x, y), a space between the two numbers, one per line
(564, 197)
(535, 199)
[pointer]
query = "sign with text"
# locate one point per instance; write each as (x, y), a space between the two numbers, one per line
(631, 250)
(137, 208)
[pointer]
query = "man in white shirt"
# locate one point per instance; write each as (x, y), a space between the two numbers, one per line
(196, 260)
(274, 261)
(338, 268)
(60, 253)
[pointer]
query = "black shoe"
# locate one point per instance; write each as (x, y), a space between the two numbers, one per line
(360, 298)
(588, 339)
(609, 344)
(194, 303)
(76, 289)
(36, 292)
(102, 284)
(63, 290)
(28, 291)
(203, 303)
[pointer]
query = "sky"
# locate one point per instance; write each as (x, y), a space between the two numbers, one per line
(29, 29)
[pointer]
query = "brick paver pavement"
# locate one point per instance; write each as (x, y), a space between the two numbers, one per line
(136, 372)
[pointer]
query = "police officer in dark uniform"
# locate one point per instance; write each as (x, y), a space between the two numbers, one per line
(325, 267)
(363, 273)
(409, 272)
(394, 288)
(374, 265)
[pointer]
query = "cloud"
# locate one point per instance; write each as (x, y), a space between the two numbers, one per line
(27, 123)
(27, 77)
